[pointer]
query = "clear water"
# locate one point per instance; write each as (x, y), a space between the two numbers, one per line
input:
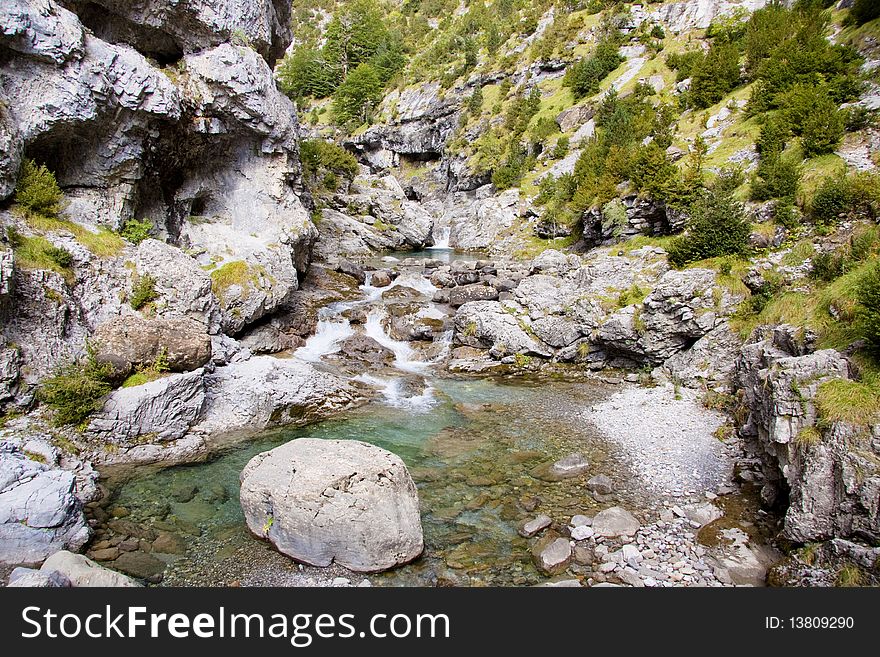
(470, 454)
(446, 255)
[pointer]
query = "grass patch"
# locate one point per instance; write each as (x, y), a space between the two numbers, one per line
(236, 273)
(849, 576)
(40, 253)
(854, 402)
(807, 437)
(143, 292)
(104, 243)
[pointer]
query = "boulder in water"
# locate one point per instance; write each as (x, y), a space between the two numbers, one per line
(326, 501)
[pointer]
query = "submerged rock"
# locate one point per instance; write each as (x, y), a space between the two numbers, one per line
(615, 522)
(570, 466)
(334, 501)
(534, 526)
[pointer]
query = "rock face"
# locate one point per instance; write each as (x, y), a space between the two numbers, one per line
(485, 324)
(129, 342)
(826, 469)
(144, 110)
(334, 501)
(426, 120)
(157, 411)
(265, 391)
(40, 510)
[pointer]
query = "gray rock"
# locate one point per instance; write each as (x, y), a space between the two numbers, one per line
(264, 391)
(600, 484)
(334, 501)
(534, 526)
(30, 578)
(615, 522)
(463, 294)
(552, 554)
(485, 324)
(40, 512)
(130, 341)
(83, 572)
(567, 467)
(184, 288)
(157, 411)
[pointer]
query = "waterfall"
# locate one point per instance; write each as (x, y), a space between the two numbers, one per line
(403, 353)
(441, 241)
(332, 329)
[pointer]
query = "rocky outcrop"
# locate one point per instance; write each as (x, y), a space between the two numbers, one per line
(826, 470)
(372, 218)
(484, 220)
(40, 503)
(683, 307)
(7, 271)
(334, 501)
(425, 120)
(487, 325)
(264, 391)
(629, 216)
(167, 30)
(157, 411)
(130, 342)
(204, 147)
(183, 288)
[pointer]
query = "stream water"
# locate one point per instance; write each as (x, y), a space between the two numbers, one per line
(470, 445)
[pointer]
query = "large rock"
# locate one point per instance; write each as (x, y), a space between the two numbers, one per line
(552, 554)
(827, 469)
(184, 288)
(485, 324)
(334, 501)
(463, 294)
(682, 308)
(157, 411)
(130, 341)
(40, 512)
(264, 391)
(83, 572)
(485, 221)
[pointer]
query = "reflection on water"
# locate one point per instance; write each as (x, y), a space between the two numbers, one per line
(470, 455)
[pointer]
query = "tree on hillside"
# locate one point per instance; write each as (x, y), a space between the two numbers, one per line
(356, 97)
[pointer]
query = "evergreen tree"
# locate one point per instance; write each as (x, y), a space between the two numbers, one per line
(716, 76)
(356, 97)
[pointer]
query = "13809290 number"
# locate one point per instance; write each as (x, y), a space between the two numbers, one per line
(821, 622)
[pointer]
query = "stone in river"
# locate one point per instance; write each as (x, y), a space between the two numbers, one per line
(552, 554)
(614, 522)
(570, 466)
(600, 484)
(532, 527)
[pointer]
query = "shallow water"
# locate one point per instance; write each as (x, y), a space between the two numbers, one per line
(470, 454)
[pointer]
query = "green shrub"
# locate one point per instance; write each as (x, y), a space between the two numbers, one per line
(868, 295)
(358, 95)
(827, 267)
(37, 190)
(863, 11)
(716, 75)
(684, 63)
(717, 227)
(326, 162)
(60, 256)
(77, 390)
(560, 149)
(823, 128)
(143, 291)
(776, 177)
(773, 137)
(831, 199)
(136, 231)
(584, 76)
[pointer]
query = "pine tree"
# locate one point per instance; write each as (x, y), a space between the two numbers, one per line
(356, 97)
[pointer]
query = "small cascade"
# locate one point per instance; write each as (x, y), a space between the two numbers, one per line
(403, 353)
(332, 329)
(441, 241)
(393, 391)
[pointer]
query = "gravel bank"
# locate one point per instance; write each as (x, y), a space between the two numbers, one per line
(668, 442)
